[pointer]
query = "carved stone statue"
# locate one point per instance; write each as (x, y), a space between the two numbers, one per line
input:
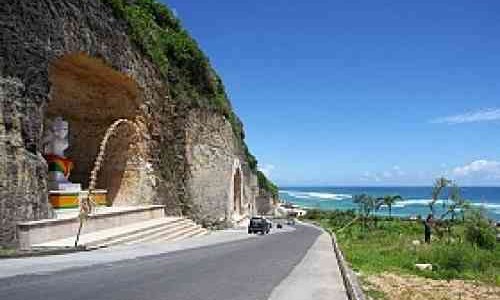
(55, 142)
(56, 137)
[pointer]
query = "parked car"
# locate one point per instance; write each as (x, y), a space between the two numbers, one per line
(259, 224)
(270, 223)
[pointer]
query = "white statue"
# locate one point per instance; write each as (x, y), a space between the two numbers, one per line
(55, 142)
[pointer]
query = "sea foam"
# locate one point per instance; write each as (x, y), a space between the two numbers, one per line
(316, 195)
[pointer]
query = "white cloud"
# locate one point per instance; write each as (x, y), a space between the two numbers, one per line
(484, 115)
(393, 174)
(486, 169)
(397, 171)
(387, 174)
(369, 176)
(267, 169)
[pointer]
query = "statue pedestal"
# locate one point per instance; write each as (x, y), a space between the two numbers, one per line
(70, 199)
(59, 170)
(67, 187)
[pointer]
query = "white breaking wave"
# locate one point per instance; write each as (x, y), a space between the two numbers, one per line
(419, 202)
(396, 205)
(316, 195)
(491, 206)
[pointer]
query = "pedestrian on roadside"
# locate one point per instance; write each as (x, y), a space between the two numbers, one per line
(428, 228)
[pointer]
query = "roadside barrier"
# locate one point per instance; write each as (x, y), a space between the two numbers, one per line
(353, 288)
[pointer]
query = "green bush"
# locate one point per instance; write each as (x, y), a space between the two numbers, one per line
(453, 257)
(459, 260)
(314, 214)
(267, 185)
(478, 230)
(338, 218)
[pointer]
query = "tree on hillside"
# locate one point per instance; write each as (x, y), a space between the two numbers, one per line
(439, 185)
(456, 203)
(389, 200)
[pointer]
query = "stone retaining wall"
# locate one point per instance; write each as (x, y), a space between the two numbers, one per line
(34, 232)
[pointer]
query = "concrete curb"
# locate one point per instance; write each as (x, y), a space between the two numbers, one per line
(351, 283)
(352, 286)
(317, 276)
(45, 252)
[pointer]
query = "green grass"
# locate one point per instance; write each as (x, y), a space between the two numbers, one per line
(387, 247)
(375, 295)
(7, 251)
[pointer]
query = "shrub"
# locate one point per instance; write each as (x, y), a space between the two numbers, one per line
(314, 214)
(478, 230)
(266, 184)
(338, 218)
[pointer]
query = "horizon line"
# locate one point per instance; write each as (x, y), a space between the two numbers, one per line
(384, 186)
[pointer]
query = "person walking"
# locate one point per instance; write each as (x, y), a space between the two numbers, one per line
(428, 229)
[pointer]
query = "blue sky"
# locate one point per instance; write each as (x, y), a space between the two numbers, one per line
(360, 92)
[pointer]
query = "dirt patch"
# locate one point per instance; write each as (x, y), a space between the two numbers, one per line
(399, 287)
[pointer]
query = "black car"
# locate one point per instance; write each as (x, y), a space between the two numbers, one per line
(259, 224)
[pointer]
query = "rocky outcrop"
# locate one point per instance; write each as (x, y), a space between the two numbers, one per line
(23, 186)
(265, 203)
(75, 59)
(214, 160)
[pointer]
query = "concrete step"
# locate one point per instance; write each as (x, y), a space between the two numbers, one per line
(141, 234)
(160, 234)
(187, 232)
(195, 233)
(106, 236)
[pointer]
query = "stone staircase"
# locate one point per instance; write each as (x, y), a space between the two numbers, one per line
(158, 230)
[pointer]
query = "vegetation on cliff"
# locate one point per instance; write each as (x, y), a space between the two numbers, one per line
(192, 80)
(266, 185)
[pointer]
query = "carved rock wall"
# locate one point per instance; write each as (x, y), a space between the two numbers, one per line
(190, 153)
(213, 158)
(34, 35)
(265, 203)
(23, 186)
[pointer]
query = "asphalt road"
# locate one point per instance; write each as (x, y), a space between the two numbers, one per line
(247, 269)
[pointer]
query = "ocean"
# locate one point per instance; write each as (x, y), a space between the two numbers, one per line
(415, 202)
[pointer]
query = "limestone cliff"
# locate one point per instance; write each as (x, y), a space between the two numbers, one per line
(93, 62)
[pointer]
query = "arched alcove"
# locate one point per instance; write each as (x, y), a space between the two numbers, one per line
(237, 191)
(91, 95)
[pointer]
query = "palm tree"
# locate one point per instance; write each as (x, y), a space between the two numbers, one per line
(366, 205)
(388, 200)
(361, 201)
(439, 185)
